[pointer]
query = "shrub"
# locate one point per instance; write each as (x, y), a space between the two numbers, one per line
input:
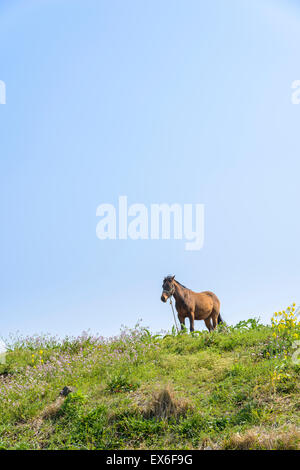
(121, 382)
(285, 331)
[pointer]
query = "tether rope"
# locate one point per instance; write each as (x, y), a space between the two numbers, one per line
(174, 314)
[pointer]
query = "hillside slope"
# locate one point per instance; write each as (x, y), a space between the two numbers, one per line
(235, 388)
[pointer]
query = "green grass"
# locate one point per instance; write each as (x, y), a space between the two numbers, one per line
(142, 391)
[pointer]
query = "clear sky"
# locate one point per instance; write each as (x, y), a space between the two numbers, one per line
(173, 101)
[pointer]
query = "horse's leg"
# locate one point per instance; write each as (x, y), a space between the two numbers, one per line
(191, 317)
(208, 324)
(182, 322)
(181, 318)
(214, 317)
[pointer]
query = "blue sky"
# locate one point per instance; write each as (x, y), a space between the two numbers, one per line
(175, 102)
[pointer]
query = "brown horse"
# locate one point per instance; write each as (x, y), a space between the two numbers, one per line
(196, 306)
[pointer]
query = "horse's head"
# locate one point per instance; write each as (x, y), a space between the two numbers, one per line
(168, 288)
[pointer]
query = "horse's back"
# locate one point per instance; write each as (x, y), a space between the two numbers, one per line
(216, 301)
(205, 304)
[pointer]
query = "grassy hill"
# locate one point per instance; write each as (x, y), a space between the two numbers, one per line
(235, 388)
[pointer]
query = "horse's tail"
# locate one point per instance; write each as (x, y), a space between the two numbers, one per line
(220, 319)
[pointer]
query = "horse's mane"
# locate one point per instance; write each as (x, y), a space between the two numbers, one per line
(180, 284)
(170, 277)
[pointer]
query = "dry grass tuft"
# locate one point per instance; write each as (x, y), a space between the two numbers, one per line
(164, 405)
(52, 410)
(257, 438)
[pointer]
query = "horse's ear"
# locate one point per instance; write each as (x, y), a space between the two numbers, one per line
(173, 277)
